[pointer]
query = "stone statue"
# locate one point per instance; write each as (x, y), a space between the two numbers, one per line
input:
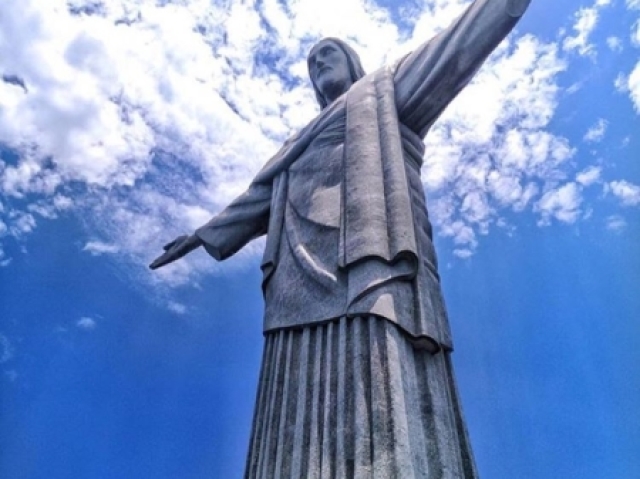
(356, 378)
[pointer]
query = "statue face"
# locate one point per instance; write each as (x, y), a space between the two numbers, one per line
(329, 68)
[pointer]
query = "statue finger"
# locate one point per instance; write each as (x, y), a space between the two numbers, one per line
(162, 260)
(170, 245)
(156, 263)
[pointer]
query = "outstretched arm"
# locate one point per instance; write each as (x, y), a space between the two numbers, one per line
(430, 77)
(175, 250)
(247, 217)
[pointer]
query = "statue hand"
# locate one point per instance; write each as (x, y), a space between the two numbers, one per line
(179, 247)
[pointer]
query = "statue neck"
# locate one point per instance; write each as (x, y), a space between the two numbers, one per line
(334, 90)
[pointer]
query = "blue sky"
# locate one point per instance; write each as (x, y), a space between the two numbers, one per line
(124, 123)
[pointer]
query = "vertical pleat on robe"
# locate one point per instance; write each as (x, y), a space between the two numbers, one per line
(354, 399)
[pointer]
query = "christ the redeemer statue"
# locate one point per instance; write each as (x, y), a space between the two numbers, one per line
(356, 378)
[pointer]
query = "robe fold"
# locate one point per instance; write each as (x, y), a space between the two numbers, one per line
(356, 379)
(377, 257)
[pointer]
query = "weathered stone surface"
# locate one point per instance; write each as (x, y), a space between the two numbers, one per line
(356, 379)
(354, 399)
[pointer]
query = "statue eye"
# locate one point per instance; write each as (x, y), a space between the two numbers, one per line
(322, 52)
(327, 50)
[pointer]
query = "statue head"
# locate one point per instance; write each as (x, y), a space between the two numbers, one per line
(333, 67)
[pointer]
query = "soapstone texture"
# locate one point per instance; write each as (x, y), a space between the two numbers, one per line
(354, 399)
(356, 378)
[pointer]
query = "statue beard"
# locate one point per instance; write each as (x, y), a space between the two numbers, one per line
(334, 89)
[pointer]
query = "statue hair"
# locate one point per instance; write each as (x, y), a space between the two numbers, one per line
(353, 60)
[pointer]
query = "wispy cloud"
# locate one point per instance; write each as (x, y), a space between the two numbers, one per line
(463, 253)
(633, 4)
(7, 353)
(7, 350)
(615, 223)
(98, 248)
(589, 176)
(21, 222)
(147, 117)
(633, 86)
(176, 307)
(596, 132)
(614, 43)
(631, 83)
(562, 203)
(491, 150)
(4, 259)
(635, 34)
(628, 193)
(621, 83)
(586, 20)
(86, 323)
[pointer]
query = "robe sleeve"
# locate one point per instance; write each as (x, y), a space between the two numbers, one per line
(246, 218)
(249, 215)
(429, 78)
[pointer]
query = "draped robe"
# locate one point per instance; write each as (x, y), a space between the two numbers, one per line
(362, 236)
(356, 378)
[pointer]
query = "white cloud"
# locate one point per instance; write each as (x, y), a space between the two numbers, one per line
(86, 323)
(633, 4)
(614, 43)
(163, 111)
(631, 83)
(490, 151)
(586, 20)
(21, 223)
(615, 223)
(176, 307)
(596, 133)
(98, 248)
(4, 259)
(562, 203)
(7, 351)
(574, 88)
(107, 98)
(635, 34)
(628, 193)
(463, 253)
(620, 83)
(633, 86)
(589, 175)
(462, 234)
